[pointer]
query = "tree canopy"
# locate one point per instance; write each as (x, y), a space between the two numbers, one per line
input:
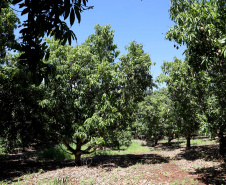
(200, 25)
(88, 99)
(44, 19)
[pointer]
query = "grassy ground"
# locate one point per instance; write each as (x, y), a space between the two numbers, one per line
(56, 153)
(137, 164)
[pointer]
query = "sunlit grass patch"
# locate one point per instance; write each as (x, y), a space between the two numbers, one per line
(135, 147)
(194, 141)
(56, 153)
(202, 142)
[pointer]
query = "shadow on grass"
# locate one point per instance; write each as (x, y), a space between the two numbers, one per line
(166, 146)
(127, 160)
(17, 165)
(207, 152)
(212, 175)
(13, 167)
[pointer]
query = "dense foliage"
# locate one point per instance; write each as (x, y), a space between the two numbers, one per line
(155, 117)
(21, 120)
(8, 22)
(200, 25)
(43, 18)
(88, 99)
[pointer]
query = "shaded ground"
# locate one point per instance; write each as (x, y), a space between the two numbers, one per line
(207, 152)
(172, 164)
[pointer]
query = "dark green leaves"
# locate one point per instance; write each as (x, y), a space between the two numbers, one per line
(16, 1)
(26, 10)
(78, 14)
(67, 7)
(44, 17)
(72, 16)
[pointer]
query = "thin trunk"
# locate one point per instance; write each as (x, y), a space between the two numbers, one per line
(188, 144)
(156, 142)
(169, 140)
(78, 152)
(222, 148)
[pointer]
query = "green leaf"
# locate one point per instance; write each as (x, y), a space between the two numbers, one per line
(26, 10)
(72, 17)
(67, 7)
(16, 1)
(84, 2)
(78, 14)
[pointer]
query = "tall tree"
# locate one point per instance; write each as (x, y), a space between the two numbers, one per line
(200, 25)
(89, 96)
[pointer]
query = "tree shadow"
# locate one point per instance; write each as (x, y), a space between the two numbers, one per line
(207, 152)
(14, 166)
(124, 161)
(212, 175)
(17, 165)
(173, 145)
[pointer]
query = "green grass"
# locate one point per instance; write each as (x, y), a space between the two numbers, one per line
(135, 147)
(202, 142)
(54, 153)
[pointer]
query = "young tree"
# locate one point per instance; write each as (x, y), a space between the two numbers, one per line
(182, 88)
(155, 116)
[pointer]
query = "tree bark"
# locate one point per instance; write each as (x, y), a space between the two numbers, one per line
(170, 138)
(188, 144)
(78, 160)
(156, 140)
(222, 148)
(78, 152)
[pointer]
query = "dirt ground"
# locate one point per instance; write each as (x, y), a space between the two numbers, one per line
(164, 164)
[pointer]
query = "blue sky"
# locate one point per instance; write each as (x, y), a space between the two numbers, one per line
(145, 21)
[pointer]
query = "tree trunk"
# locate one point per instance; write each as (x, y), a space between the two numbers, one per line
(78, 160)
(170, 138)
(156, 140)
(222, 148)
(188, 144)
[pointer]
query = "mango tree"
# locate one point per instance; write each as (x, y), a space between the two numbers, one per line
(22, 122)
(182, 88)
(200, 25)
(8, 22)
(155, 116)
(89, 96)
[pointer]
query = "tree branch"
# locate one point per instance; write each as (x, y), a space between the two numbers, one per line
(87, 150)
(85, 142)
(69, 147)
(65, 150)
